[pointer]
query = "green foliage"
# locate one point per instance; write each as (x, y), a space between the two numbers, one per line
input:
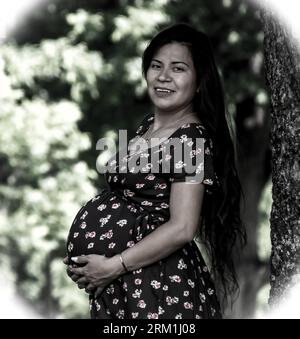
(73, 303)
(56, 63)
(264, 241)
(84, 25)
(132, 25)
(46, 181)
(262, 302)
(264, 246)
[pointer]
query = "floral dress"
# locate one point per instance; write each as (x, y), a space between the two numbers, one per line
(133, 205)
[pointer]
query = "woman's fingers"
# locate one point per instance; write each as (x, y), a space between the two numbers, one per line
(66, 260)
(75, 277)
(78, 270)
(89, 288)
(81, 282)
(69, 272)
(98, 292)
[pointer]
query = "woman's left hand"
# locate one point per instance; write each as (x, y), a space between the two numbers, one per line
(98, 271)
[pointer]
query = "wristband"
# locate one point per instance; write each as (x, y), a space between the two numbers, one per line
(122, 262)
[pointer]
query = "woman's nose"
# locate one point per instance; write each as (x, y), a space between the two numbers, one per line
(164, 75)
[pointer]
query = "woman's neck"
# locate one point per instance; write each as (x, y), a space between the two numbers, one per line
(167, 118)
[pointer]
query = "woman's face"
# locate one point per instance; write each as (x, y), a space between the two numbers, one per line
(171, 78)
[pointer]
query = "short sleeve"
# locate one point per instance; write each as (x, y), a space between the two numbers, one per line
(191, 157)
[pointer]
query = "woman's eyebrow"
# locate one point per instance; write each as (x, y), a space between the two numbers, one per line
(173, 62)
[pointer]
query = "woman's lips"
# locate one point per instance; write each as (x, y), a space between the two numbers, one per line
(163, 92)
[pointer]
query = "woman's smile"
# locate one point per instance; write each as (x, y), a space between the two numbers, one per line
(163, 92)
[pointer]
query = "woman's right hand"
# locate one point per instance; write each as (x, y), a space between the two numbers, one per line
(73, 276)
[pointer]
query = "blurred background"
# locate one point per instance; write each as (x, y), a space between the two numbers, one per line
(70, 74)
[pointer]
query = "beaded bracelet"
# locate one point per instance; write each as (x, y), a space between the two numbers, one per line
(122, 262)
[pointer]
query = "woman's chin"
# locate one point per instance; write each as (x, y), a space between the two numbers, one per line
(165, 107)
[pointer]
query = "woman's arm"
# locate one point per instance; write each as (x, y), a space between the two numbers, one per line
(185, 210)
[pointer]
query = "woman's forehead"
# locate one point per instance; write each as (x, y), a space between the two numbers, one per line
(173, 51)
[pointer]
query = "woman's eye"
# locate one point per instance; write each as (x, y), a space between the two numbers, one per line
(155, 66)
(178, 69)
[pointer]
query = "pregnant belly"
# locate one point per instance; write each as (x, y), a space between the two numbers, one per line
(106, 225)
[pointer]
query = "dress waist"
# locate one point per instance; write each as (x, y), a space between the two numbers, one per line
(142, 214)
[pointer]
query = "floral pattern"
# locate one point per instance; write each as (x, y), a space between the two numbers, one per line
(132, 206)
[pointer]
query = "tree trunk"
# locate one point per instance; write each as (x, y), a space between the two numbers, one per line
(282, 69)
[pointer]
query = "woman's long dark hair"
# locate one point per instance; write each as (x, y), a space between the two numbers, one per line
(221, 226)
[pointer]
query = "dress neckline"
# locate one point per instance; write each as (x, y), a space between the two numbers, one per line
(147, 126)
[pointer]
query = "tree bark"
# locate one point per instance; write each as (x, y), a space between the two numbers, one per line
(282, 70)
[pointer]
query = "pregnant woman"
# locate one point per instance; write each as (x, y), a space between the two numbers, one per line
(132, 246)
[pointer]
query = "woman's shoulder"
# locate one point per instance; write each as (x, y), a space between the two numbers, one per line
(192, 129)
(192, 133)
